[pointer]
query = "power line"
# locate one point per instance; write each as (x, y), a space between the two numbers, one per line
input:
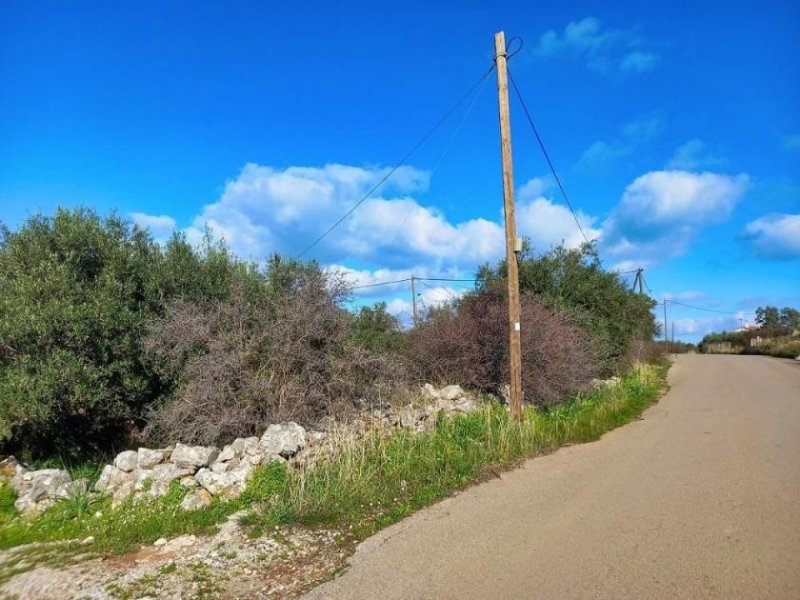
(401, 162)
(445, 279)
(372, 285)
(546, 155)
(449, 145)
(714, 310)
(395, 281)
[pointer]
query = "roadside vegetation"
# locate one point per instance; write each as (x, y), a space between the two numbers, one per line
(109, 340)
(363, 487)
(777, 333)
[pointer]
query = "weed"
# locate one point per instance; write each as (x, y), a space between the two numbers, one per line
(366, 485)
(7, 499)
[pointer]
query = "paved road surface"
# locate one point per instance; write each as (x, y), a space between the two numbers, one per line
(700, 499)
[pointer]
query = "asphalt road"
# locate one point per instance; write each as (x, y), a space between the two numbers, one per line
(700, 499)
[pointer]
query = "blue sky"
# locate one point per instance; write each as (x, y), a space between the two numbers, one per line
(675, 128)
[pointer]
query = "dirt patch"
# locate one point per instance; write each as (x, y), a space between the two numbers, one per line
(228, 565)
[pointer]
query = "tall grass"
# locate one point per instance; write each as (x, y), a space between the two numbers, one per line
(367, 483)
(376, 481)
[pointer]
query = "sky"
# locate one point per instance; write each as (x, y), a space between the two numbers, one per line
(675, 128)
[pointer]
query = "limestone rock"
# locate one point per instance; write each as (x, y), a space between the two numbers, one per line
(197, 499)
(111, 478)
(226, 485)
(220, 467)
(451, 392)
(123, 492)
(430, 391)
(408, 417)
(126, 461)
(156, 481)
(286, 439)
(38, 490)
(444, 406)
(193, 457)
(147, 459)
(465, 404)
(228, 453)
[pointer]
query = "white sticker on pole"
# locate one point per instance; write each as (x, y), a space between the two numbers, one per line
(516, 325)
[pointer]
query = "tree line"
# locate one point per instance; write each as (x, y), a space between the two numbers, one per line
(108, 338)
(776, 333)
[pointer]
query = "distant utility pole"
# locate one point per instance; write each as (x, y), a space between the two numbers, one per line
(413, 301)
(514, 334)
(673, 332)
(665, 320)
(638, 280)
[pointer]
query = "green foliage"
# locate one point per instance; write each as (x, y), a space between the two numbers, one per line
(768, 318)
(774, 321)
(374, 328)
(76, 292)
(573, 281)
(367, 485)
(775, 336)
(7, 499)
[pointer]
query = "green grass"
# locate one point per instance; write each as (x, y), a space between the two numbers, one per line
(7, 499)
(782, 348)
(365, 486)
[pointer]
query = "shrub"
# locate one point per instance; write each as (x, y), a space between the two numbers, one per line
(573, 281)
(374, 328)
(73, 291)
(76, 291)
(468, 344)
(279, 348)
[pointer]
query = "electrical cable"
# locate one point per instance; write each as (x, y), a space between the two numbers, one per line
(372, 285)
(714, 310)
(401, 162)
(448, 145)
(547, 156)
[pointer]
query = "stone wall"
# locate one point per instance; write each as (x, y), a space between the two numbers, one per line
(211, 472)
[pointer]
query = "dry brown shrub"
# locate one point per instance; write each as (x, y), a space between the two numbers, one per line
(469, 345)
(267, 354)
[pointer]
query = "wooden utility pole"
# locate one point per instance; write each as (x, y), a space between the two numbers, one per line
(638, 280)
(665, 320)
(515, 346)
(413, 301)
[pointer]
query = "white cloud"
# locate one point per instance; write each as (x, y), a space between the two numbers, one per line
(267, 210)
(791, 142)
(534, 188)
(638, 61)
(428, 298)
(548, 224)
(603, 49)
(693, 155)
(697, 328)
(400, 308)
(686, 296)
(775, 236)
(160, 226)
(602, 155)
(661, 212)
